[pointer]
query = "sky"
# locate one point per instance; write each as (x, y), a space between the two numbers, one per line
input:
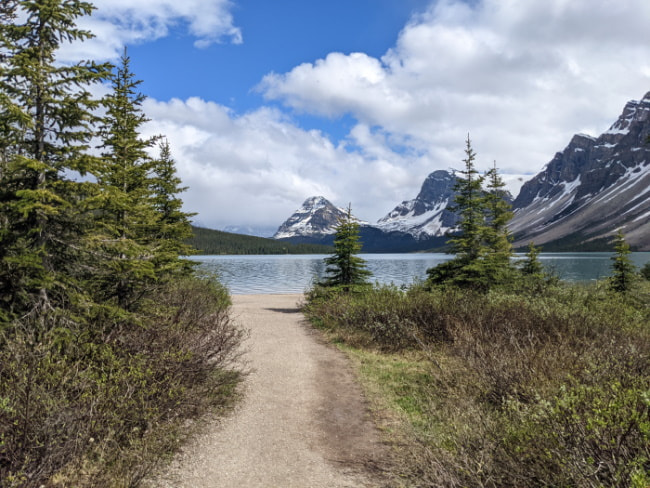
(266, 103)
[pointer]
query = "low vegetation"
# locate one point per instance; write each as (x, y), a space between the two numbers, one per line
(102, 406)
(505, 388)
(491, 374)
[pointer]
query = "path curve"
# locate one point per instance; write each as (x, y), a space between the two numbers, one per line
(302, 421)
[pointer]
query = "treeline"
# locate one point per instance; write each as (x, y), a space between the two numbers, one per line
(208, 241)
(107, 340)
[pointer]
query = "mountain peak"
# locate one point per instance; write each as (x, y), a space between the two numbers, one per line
(316, 216)
(593, 187)
(427, 214)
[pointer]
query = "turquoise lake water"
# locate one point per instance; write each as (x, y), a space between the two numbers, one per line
(296, 273)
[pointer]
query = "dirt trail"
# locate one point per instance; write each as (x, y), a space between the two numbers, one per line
(302, 421)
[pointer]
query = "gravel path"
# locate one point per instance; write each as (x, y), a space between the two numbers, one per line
(302, 421)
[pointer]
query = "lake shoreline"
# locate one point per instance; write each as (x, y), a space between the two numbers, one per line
(294, 273)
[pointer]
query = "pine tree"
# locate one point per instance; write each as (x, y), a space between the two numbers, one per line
(125, 213)
(344, 267)
(469, 205)
(624, 272)
(46, 123)
(531, 265)
(172, 226)
(496, 236)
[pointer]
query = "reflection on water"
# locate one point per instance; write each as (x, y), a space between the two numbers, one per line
(296, 273)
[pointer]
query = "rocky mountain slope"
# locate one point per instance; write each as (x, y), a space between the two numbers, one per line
(426, 215)
(592, 188)
(587, 192)
(315, 218)
(315, 221)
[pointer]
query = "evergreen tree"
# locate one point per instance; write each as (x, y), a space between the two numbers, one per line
(469, 205)
(172, 226)
(496, 236)
(498, 213)
(531, 265)
(344, 267)
(624, 272)
(467, 267)
(126, 213)
(645, 271)
(46, 123)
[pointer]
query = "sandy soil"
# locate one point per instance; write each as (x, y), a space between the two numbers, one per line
(303, 421)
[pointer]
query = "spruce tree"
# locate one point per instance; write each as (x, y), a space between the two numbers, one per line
(344, 267)
(645, 271)
(467, 245)
(467, 267)
(125, 213)
(623, 271)
(46, 122)
(172, 226)
(531, 265)
(496, 236)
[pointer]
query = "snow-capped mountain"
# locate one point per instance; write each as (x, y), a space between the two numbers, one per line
(426, 215)
(587, 192)
(414, 225)
(316, 217)
(592, 188)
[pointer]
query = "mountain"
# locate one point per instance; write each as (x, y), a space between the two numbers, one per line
(316, 218)
(415, 225)
(426, 215)
(592, 188)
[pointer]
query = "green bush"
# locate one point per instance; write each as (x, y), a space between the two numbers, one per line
(645, 271)
(87, 405)
(542, 386)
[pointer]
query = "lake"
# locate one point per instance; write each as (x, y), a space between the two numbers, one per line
(296, 273)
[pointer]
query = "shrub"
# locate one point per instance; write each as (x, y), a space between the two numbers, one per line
(543, 387)
(87, 405)
(645, 271)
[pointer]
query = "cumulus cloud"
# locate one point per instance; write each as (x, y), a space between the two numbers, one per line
(521, 77)
(258, 167)
(117, 23)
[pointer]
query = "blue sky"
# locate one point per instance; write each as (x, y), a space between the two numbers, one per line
(266, 103)
(277, 36)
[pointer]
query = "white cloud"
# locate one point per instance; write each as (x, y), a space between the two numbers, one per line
(257, 168)
(116, 23)
(521, 77)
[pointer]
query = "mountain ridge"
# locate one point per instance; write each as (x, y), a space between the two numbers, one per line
(585, 194)
(592, 188)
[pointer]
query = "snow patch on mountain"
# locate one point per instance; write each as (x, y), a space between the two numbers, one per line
(426, 215)
(592, 188)
(428, 223)
(316, 217)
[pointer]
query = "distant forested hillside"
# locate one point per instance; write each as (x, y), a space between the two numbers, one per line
(208, 241)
